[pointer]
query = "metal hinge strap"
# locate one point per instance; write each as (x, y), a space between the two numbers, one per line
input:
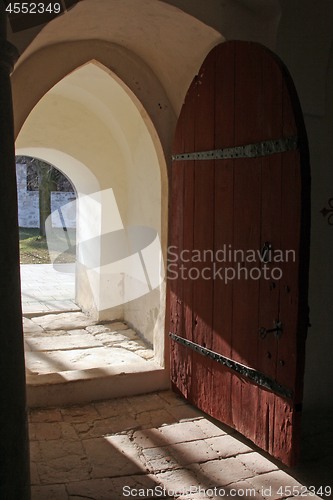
(254, 375)
(249, 151)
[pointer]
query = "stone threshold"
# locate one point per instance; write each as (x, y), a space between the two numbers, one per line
(94, 384)
(40, 313)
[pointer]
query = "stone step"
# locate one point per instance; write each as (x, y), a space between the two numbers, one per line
(72, 359)
(95, 384)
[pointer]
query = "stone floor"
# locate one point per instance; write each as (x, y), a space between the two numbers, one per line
(47, 289)
(152, 446)
(56, 343)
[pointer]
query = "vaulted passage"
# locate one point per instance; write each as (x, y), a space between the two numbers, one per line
(92, 127)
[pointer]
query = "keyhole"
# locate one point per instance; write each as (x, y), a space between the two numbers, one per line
(265, 253)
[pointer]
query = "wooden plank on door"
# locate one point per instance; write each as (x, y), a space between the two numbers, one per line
(295, 214)
(223, 230)
(188, 230)
(269, 293)
(247, 212)
(179, 353)
(203, 232)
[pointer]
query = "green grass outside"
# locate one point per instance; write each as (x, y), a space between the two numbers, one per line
(34, 249)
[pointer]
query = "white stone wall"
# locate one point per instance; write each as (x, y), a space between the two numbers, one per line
(28, 201)
(66, 202)
(28, 204)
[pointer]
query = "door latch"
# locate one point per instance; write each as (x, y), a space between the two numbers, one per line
(277, 330)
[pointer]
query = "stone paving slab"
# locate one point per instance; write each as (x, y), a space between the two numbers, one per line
(180, 413)
(275, 485)
(148, 439)
(114, 326)
(155, 418)
(257, 463)
(64, 469)
(224, 472)
(193, 452)
(108, 461)
(146, 402)
(238, 490)
(170, 457)
(43, 362)
(35, 307)
(64, 321)
(63, 342)
(228, 446)
(180, 480)
(33, 297)
(54, 492)
(30, 327)
(39, 307)
(145, 353)
(62, 305)
(113, 488)
(113, 408)
(109, 338)
(103, 427)
(181, 432)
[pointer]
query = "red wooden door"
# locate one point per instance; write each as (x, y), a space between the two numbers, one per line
(239, 250)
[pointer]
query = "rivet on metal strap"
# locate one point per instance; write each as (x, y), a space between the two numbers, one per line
(250, 151)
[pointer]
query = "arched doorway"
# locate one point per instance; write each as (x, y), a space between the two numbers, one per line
(97, 133)
(46, 214)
